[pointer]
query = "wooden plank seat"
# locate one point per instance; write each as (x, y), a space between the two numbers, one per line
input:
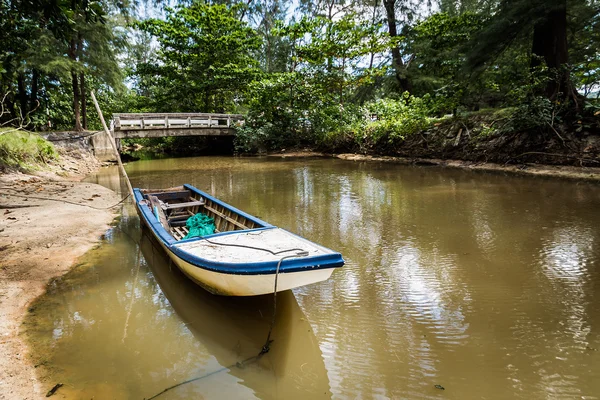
(184, 205)
(180, 216)
(173, 216)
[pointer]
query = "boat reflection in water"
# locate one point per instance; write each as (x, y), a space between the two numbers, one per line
(234, 329)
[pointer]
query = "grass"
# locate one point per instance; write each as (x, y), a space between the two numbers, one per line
(24, 150)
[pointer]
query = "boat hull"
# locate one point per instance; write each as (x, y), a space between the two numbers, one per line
(246, 285)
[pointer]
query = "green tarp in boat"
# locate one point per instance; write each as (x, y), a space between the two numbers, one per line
(200, 225)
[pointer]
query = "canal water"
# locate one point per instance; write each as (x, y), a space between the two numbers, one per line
(457, 285)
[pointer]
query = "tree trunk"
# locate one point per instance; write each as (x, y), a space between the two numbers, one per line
(76, 102)
(397, 62)
(75, 86)
(330, 5)
(83, 100)
(375, 5)
(33, 102)
(342, 82)
(245, 9)
(22, 95)
(550, 44)
(268, 51)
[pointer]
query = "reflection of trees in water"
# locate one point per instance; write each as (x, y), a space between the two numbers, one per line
(560, 318)
(448, 253)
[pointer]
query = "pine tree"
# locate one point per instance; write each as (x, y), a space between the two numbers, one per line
(545, 23)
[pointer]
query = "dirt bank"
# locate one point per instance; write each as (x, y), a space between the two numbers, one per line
(557, 171)
(486, 140)
(40, 239)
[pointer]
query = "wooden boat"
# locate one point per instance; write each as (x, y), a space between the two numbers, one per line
(243, 256)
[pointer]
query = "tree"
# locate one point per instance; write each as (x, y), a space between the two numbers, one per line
(91, 45)
(397, 62)
(545, 22)
(584, 49)
(50, 45)
(455, 8)
(550, 45)
(275, 49)
(18, 29)
(205, 58)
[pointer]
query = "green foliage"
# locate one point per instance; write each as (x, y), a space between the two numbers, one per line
(46, 45)
(25, 150)
(332, 125)
(532, 110)
(439, 40)
(438, 43)
(253, 138)
(277, 114)
(394, 120)
(322, 76)
(538, 112)
(205, 59)
(316, 98)
(584, 56)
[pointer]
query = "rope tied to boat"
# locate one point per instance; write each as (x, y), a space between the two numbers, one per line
(275, 253)
(267, 346)
(138, 262)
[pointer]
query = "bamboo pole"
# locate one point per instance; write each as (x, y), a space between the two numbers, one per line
(112, 143)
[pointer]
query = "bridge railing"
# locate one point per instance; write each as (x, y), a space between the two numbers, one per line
(126, 122)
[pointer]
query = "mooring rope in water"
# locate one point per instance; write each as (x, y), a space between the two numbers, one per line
(265, 348)
(130, 307)
(239, 364)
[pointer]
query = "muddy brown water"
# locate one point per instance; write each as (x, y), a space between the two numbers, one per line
(485, 285)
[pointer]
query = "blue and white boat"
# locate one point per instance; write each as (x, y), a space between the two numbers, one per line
(243, 257)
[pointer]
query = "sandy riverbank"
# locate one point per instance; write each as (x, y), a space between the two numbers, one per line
(41, 239)
(557, 171)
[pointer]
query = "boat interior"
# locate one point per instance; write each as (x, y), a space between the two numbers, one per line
(176, 205)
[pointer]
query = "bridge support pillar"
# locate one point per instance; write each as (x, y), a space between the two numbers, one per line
(102, 148)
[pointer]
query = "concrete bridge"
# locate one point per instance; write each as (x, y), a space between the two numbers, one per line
(174, 124)
(163, 124)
